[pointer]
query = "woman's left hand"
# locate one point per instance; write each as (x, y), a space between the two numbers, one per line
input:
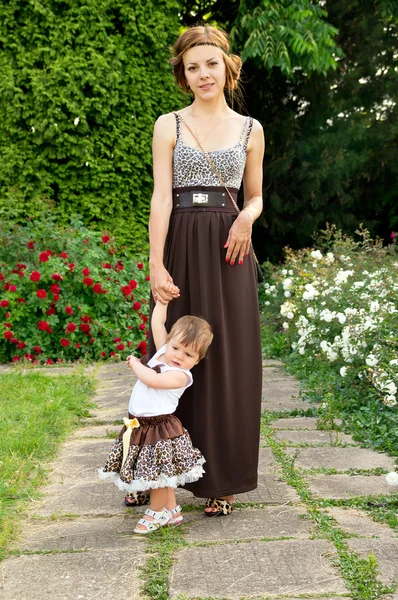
(239, 239)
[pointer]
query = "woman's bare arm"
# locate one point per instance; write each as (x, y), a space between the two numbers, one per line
(239, 238)
(161, 206)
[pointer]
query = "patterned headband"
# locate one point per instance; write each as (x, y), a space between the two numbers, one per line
(209, 44)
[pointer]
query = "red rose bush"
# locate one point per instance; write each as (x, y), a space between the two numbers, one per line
(69, 293)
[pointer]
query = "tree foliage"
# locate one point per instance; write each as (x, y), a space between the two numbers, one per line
(331, 152)
(81, 86)
(289, 35)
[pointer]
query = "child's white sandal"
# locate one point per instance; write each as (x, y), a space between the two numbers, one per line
(160, 519)
(175, 520)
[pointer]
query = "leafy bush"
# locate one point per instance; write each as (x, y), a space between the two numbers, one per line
(337, 308)
(69, 293)
(82, 85)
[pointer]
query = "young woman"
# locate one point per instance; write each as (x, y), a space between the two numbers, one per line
(200, 244)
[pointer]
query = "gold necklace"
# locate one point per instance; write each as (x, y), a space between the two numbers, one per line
(212, 129)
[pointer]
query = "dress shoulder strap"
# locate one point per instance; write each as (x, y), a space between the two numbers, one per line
(178, 125)
(248, 128)
(242, 133)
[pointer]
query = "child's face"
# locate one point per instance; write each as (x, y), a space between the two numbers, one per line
(179, 355)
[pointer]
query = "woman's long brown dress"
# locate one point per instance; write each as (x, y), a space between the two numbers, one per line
(221, 410)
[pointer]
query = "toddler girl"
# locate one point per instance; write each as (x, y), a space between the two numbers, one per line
(153, 451)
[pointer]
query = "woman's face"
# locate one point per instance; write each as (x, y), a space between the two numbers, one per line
(205, 71)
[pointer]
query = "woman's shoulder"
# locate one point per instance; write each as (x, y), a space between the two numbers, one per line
(243, 119)
(255, 124)
(165, 127)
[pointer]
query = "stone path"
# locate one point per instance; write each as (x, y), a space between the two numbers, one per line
(77, 541)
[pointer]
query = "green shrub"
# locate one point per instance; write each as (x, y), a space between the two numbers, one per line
(69, 293)
(82, 84)
(336, 308)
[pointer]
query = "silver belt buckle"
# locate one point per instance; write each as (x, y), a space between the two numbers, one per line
(200, 198)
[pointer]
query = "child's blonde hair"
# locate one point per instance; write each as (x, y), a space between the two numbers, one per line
(193, 331)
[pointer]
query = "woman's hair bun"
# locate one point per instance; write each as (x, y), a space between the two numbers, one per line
(237, 60)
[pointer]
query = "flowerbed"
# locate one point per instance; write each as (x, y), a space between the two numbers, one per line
(69, 293)
(336, 315)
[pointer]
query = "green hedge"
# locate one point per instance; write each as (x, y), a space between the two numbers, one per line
(82, 84)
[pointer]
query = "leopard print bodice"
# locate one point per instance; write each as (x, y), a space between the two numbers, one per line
(191, 167)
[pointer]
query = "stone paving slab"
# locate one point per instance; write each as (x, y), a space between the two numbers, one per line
(317, 438)
(107, 415)
(115, 386)
(269, 491)
(119, 398)
(99, 498)
(104, 575)
(341, 459)
(255, 569)
(74, 469)
(277, 374)
(115, 373)
(76, 489)
(272, 362)
(347, 486)
(78, 448)
(386, 553)
(359, 523)
(278, 398)
(82, 534)
(295, 423)
(269, 522)
(96, 431)
(286, 386)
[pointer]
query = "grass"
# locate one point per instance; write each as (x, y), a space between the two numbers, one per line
(37, 412)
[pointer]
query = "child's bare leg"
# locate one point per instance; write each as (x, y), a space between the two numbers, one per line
(158, 500)
(171, 498)
(171, 503)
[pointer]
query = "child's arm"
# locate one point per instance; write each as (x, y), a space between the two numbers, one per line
(159, 315)
(162, 381)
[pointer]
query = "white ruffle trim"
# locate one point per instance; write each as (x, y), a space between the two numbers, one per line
(141, 485)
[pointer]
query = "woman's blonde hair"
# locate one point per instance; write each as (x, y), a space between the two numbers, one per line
(203, 35)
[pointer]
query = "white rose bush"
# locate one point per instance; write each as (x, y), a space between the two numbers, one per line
(338, 328)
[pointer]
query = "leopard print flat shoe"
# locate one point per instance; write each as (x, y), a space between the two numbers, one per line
(136, 499)
(223, 507)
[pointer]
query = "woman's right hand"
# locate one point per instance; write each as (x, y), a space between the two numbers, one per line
(162, 285)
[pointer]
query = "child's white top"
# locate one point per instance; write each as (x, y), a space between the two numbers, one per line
(150, 402)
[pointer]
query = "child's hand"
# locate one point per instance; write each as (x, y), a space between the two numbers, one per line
(130, 360)
(171, 289)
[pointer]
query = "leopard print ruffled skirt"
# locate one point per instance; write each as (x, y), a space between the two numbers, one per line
(160, 454)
